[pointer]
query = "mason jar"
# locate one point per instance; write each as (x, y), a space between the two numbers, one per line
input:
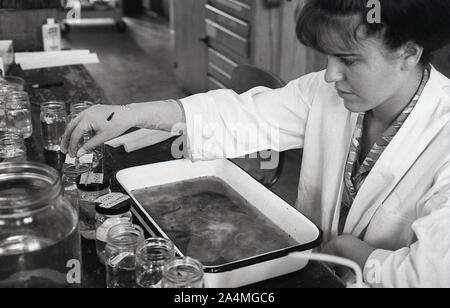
(12, 148)
(39, 239)
(111, 210)
(98, 152)
(70, 174)
(183, 273)
(5, 88)
(77, 108)
(120, 255)
(18, 113)
(53, 124)
(87, 194)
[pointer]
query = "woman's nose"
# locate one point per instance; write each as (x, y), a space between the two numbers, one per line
(334, 71)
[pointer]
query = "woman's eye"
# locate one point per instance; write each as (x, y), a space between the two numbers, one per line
(347, 61)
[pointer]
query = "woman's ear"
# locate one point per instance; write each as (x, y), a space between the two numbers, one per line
(411, 55)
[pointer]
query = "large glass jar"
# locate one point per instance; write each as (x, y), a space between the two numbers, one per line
(39, 238)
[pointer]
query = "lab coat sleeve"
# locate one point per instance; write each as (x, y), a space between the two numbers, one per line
(426, 263)
(223, 124)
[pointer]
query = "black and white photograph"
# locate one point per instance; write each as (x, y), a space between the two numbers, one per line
(243, 149)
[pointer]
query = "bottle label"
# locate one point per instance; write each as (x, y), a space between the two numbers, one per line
(111, 200)
(91, 178)
(83, 160)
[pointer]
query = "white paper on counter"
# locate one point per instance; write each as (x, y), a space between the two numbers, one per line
(140, 139)
(36, 60)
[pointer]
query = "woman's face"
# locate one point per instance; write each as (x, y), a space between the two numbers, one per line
(367, 77)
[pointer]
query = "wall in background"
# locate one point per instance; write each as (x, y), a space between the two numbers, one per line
(27, 4)
(24, 27)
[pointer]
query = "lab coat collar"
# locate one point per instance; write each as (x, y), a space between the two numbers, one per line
(411, 140)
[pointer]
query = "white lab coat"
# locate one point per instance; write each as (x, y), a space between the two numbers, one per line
(403, 207)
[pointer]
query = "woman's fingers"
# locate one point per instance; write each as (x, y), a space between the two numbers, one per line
(66, 137)
(92, 143)
(106, 122)
(78, 132)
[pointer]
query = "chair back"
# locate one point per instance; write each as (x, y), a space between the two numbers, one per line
(246, 77)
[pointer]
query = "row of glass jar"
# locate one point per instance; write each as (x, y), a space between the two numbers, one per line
(40, 242)
(16, 122)
(132, 261)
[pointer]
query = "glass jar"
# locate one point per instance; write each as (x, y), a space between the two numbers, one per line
(183, 273)
(121, 246)
(5, 88)
(98, 152)
(70, 174)
(18, 113)
(53, 124)
(17, 82)
(12, 148)
(77, 108)
(151, 257)
(111, 210)
(39, 239)
(87, 194)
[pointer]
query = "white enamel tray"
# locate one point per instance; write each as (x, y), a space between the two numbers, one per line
(242, 272)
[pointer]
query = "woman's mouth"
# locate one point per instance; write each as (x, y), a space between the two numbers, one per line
(343, 93)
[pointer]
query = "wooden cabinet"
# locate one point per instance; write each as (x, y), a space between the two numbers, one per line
(190, 53)
(212, 37)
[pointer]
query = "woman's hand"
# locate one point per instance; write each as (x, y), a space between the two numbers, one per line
(349, 247)
(107, 122)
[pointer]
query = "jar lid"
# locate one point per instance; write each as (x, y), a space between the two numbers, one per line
(99, 182)
(113, 204)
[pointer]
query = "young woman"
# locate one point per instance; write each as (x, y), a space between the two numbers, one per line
(375, 129)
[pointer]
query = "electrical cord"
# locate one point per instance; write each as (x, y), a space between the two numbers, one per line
(335, 260)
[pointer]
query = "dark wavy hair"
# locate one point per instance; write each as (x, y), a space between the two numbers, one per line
(327, 24)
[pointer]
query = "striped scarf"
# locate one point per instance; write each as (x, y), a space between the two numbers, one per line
(356, 173)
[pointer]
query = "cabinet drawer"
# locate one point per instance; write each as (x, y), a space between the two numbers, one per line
(238, 8)
(230, 22)
(233, 41)
(214, 84)
(224, 50)
(221, 61)
(219, 74)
